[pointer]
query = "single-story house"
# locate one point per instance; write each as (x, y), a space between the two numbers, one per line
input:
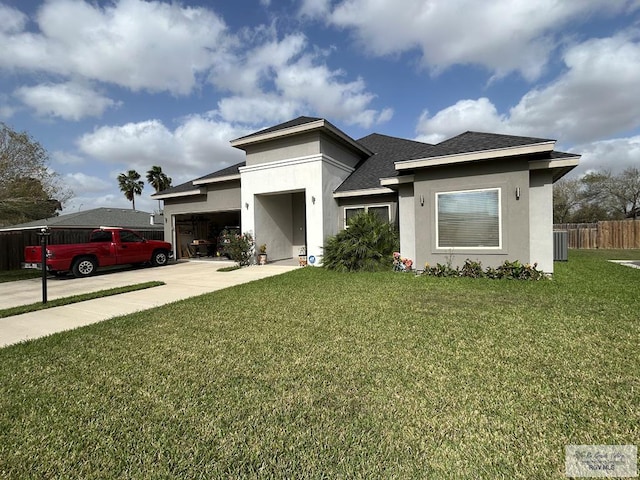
(482, 196)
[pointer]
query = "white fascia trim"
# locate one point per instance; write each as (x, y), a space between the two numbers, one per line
(297, 161)
(363, 192)
(205, 181)
(472, 156)
(22, 229)
(396, 180)
(188, 193)
(555, 163)
(306, 127)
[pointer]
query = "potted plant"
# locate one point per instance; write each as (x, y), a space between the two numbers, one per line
(262, 254)
(302, 257)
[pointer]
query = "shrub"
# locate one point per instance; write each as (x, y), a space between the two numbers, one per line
(367, 244)
(473, 269)
(241, 248)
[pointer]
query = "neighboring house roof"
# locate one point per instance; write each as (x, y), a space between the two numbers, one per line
(114, 217)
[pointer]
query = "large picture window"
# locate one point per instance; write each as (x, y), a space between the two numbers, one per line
(382, 211)
(469, 219)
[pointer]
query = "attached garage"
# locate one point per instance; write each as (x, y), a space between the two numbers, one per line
(197, 211)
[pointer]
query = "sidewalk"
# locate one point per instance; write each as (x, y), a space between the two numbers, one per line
(183, 280)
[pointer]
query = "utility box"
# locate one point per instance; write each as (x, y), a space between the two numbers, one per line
(560, 246)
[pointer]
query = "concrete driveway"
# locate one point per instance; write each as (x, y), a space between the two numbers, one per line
(182, 279)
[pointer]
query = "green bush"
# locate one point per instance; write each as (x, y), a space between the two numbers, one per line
(367, 244)
(473, 269)
(241, 248)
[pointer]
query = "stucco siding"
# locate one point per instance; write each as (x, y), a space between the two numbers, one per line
(541, 220)
(507, 176)
(407, 221)
(299, 146)
(339, 152)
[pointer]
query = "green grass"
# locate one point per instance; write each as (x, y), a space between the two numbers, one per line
(14, 275)
(230, 268)
(315, 374)
(58, 302)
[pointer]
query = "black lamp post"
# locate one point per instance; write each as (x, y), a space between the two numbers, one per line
(44, 235)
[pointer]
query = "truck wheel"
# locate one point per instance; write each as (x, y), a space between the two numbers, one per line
(84, 267)
(159, 258)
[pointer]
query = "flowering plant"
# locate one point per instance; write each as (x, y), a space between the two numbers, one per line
(401, 264)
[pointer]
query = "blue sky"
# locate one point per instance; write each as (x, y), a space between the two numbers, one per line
(106, 86)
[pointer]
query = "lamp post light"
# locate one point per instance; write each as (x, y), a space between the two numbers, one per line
(44, 235)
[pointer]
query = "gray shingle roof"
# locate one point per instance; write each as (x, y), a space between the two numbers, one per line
(476, 141)
(291, 123)
(114, 217)
(387, 150)
(225, 172)
(183, 187)
(188, 186)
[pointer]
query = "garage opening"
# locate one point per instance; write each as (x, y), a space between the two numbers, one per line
(196, 235)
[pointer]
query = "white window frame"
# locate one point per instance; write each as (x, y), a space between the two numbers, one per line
(475, 190)
(366, 209)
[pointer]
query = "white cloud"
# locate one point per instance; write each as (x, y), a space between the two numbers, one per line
(132, 144)
(502, 35)
(614, 154)
(11, 20)
(198, 146)
(595, 98)
(67, 158)
(277, 80)
(314, 8)
(132, 43)
(68, 101)
(82, 183)
(478, 115)
(257, 110)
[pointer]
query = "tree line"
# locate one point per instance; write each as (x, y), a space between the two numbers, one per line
(596, 196)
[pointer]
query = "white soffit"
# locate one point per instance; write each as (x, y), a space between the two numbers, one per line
(396, 180)
(554, 163)
(226, 178)
(188, 193)
(472, 156)
(363, 192)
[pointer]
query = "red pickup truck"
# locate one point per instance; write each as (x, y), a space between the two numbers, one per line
(107, 246)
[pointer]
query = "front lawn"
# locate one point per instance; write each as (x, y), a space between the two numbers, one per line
(315, 374)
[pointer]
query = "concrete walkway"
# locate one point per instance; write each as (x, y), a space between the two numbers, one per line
(183, 280)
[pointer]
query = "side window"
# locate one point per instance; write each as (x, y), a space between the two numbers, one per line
(100, 236)
(382, 211)
(130, 237)
(349, 213)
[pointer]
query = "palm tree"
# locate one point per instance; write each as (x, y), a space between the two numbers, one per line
(131, 185)
(158, 180)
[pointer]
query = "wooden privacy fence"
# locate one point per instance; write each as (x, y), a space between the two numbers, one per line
(12, 243)
(609, 234)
